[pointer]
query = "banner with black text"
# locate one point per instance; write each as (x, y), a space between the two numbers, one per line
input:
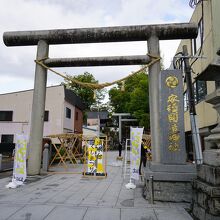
(136, 138)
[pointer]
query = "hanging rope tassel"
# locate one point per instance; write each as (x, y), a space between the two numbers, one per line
(123, 86)
(94, 94)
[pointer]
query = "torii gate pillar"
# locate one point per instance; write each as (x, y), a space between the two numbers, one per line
(154, 71)
(38, 106)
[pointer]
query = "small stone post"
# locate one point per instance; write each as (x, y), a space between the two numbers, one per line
(46, 157)
(151, 189)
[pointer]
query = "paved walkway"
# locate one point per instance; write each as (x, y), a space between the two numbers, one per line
(69, 196)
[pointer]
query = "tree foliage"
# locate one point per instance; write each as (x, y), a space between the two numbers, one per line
(134, 100)
(86, 94)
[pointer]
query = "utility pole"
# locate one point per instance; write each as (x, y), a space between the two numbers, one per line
(192, 109)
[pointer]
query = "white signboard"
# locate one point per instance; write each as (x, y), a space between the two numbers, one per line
(19, 170)
(136, 138)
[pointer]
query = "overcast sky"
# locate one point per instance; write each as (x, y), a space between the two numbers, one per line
(17, 63)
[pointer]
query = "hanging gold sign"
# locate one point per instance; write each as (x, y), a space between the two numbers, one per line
(172, 81)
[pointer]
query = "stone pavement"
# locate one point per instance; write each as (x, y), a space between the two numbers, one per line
(69, 196)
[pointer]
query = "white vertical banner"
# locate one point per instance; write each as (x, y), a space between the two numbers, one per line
(136, 138)
(19, 170)
(99, 155)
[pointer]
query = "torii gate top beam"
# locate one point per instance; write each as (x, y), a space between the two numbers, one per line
(102, 34)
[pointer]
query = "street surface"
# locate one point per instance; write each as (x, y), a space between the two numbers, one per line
(69, 196)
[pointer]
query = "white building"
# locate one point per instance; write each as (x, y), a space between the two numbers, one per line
(63, 113)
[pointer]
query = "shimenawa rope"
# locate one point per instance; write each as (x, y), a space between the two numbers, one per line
(96, 85)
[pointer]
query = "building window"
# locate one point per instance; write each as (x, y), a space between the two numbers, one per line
(68, 113)
(77, 116)
(6, 115)
(201, 90)
(7, 138)
(197, 42)
(46, 116)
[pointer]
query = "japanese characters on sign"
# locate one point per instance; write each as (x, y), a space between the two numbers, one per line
(172, 116)
(136, 137)
(19, 171)
(91, 165)
(99, 155)
(95, 158)
(171, 130)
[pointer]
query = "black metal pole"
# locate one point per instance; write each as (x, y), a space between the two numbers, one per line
(192, 110)
(189, 84)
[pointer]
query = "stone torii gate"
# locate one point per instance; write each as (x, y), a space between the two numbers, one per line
(150, 33)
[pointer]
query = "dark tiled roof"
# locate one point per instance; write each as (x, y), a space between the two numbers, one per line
(73, 99)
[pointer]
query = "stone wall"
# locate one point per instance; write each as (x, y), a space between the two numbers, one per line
(170, 191)
(206, 190)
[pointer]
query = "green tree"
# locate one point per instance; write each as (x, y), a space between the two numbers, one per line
(86, 94)
(134, 100)
(118, 99)
(93, 99)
